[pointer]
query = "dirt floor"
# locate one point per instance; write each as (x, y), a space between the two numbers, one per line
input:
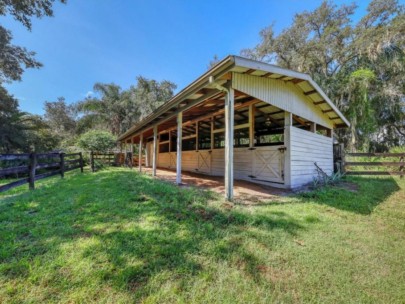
(243, 190)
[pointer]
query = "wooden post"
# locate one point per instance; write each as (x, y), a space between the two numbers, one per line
(401, 168)
(288, 121)
(140, 152)
(343, 156)
(146, 155)
(179, 146)
(131, 153)
(251, 125)
(92, 161)
(154, 156)
(212, 132)
(229, 131)
(81, 162)
(62, 164)
(313, 127)
(31, 167)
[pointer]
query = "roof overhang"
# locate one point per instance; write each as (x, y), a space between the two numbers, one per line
(192, 93)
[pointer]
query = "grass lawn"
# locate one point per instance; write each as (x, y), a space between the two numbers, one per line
(116, 237)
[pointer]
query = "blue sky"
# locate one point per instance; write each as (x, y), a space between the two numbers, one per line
(114, 41)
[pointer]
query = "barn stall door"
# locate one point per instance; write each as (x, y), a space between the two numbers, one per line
(173, 159)
(268, 164)
(204, 162)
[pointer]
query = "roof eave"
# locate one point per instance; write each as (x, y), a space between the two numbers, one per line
(220, 68)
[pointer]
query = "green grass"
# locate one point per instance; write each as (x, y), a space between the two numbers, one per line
(116, 237)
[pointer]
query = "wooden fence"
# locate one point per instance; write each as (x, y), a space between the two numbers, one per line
(36, 166)
(368, 163)
(394, 166)
(110, 159)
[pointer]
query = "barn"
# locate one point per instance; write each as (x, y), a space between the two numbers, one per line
(242, 119)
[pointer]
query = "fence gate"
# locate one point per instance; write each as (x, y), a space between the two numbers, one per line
(204, 162)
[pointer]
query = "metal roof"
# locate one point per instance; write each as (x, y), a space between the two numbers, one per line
(194, 94)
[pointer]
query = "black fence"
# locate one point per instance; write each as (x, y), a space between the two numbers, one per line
(30, 167)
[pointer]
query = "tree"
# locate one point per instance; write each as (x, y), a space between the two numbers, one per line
(95, 140)
(14, 59)
(106, 111)
(147, 95)
(117, 110)
(24, 10)
(342, 57)
(20, 131)
(60, 117)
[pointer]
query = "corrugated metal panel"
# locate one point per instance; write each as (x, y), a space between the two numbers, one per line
(283, 95)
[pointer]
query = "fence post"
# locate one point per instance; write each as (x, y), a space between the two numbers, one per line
(81, 162)
(343, 159)
(62, 164)
(92, 161)
(401, 168)
(32, 166)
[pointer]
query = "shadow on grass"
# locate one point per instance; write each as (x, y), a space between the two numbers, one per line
(132, 226)
(371, 192)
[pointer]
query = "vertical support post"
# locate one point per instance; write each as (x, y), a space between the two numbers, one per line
(313, 127)
(140, 152)
(92, 161)
(81, 162)
(288, 121)
(196, 136)
(343, 156)
(146, 155)
(131, 153)
(179, 146)
(32, 166)
(154, 156)
(62, 164)
(212, 132)
(251, 125)
(170, 141)
(229, 131)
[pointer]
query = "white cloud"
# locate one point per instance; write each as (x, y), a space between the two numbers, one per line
(89, 94)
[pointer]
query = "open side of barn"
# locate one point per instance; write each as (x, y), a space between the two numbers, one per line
(245, 120)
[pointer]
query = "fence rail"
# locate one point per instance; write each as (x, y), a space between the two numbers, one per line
(36, 163)
(387, 165)
(109, 158)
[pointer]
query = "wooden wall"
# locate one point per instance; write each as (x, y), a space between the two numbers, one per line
(306, 149)
(264, 165)
(281, 94)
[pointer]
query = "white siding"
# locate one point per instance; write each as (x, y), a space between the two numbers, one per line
(281, 94)
(266, 164)
(306, 148)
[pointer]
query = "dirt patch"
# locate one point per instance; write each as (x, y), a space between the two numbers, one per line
(244, 192)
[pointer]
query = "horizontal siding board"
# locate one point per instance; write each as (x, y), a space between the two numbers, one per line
(308, 148)
(283, 95)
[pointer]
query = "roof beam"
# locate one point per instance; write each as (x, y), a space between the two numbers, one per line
(267, 75)
(299, 120)
(327, 111)
(269, 117)
(296, 80)
(250, 71)
(310, 92)
(319, 102)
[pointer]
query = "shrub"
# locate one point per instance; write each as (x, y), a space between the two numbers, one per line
(100, 141)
